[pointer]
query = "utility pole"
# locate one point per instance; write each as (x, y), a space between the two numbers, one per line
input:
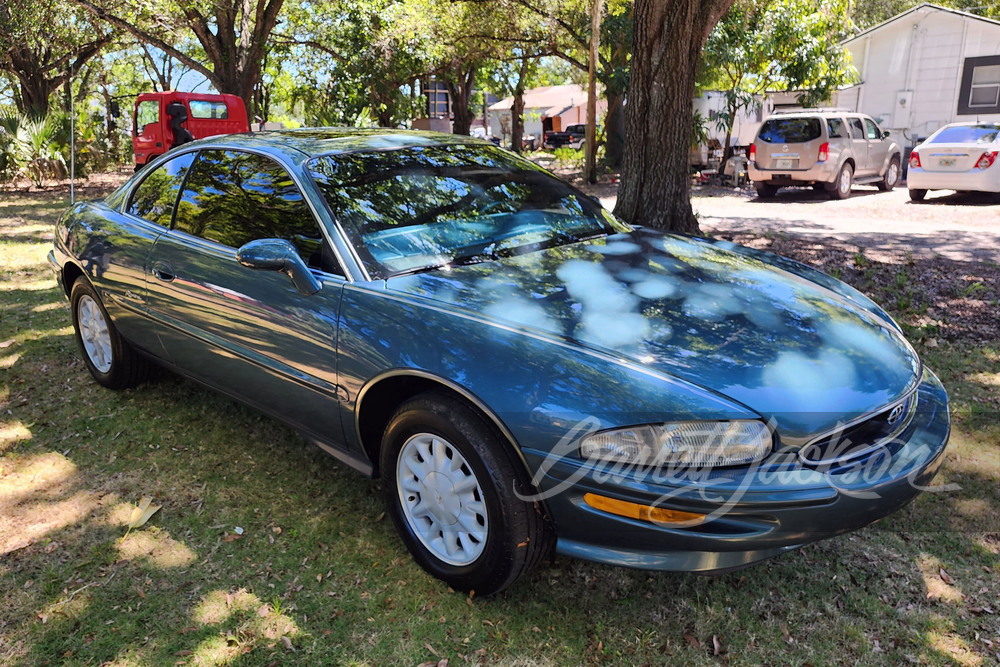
(590, 165)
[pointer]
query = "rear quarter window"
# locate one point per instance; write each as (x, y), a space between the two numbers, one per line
(790, 130)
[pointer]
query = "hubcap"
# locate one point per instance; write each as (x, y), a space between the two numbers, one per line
(845, 181)
(442, 499)
(893, 173)
(94, 333)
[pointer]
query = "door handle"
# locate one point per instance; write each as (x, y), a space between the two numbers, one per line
(162, 272)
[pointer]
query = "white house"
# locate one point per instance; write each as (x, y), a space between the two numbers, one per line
(926, 67)
(550, 108)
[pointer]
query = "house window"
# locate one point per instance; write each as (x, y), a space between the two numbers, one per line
(437, 100)
(985, 86)
(980, 92)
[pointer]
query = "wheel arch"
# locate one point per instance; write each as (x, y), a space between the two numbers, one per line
(382, 395)
(70, 273)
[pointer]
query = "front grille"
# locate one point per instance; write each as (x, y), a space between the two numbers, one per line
(858, 439)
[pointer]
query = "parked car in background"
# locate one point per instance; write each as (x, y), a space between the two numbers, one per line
(959, 156)
(830, 150)
(573, 137)
(520, 367)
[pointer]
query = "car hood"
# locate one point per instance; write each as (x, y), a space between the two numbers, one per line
(788, 342)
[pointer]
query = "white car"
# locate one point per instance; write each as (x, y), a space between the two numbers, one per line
(959, 156)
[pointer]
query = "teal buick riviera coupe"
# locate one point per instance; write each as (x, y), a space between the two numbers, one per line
(524, 371)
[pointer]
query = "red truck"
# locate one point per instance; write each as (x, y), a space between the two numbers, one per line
(165, 120)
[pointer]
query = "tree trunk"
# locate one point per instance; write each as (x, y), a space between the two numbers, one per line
(517, 110)
(614, 132)
(35, 92)
(460, 89)
(667, 39)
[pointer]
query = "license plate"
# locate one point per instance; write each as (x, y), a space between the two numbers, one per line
(784, 164)
(947, 162)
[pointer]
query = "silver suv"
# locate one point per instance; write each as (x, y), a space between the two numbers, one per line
(828, 149)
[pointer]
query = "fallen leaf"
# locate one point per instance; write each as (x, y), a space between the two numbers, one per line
(692, 641)
(945, 577)
(183, 652)
(7, 343)
(141, 514)
(716, 645)
(263, 611)
(443, 663)
(787, 635)
(231, 537)
(431, 649)
(288, 643)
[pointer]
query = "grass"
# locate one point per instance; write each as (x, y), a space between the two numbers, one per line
(316, 575)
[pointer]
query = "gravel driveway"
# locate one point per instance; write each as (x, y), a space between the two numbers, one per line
(957, 227)
(963, 228)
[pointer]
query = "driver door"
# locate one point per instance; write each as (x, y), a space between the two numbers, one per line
(247, 332)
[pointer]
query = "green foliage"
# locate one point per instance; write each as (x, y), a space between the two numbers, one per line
(867, 13)
(766, 45)
(30, 147)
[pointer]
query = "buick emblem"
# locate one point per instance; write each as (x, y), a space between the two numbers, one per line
(895, 415)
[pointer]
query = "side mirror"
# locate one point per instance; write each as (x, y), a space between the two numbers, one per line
(885, 134)
(281, 256)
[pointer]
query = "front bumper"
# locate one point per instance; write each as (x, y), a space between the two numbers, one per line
(754, 513)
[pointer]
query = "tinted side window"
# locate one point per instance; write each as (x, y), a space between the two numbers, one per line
(837, 128)
(857, 128)
(873, 131)
(790, 130)
(155, 197)
(233, 198)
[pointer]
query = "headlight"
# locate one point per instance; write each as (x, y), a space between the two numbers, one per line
(688, 444)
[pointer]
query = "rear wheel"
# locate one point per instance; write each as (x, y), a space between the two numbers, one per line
(918, 195)
(891, 177)
(766, 190)
(449, 480)
(842, 186)
(108, 356)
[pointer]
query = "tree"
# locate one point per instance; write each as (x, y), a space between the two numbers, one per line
(40, 44)
(233, 33)
(767, 45)
(361, 54)
(668, 36)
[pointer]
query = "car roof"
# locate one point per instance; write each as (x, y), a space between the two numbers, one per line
(835, 113)
(310, 142)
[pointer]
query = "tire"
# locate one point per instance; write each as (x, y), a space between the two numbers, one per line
(842, 186)
(891, 177)
(433, 442)
(917, 195)
(108, 356)
(766, 190)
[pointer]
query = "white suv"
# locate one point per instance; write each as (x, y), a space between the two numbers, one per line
(825, 148)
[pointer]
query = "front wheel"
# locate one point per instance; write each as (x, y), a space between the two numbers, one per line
(108, 356)
(449, 480)
(917, 195)
(891, 177)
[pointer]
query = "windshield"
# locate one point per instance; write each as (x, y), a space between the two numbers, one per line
(421, 208)
(967, 134)
(790, 130)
